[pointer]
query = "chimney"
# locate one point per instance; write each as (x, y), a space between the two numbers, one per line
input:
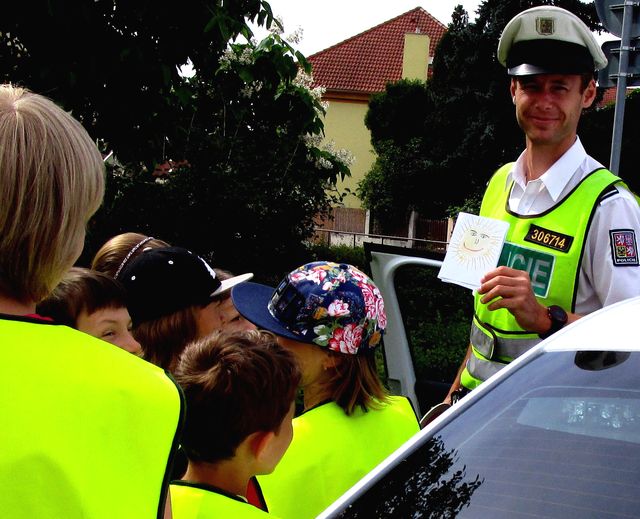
(415, 59)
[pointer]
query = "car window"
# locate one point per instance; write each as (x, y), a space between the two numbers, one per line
(558, 438)
(437, 319)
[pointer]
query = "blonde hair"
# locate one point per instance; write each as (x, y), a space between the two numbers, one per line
(122, 248)
(51, 183)
(354, 382)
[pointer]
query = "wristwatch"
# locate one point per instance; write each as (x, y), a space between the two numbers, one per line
(558, 319)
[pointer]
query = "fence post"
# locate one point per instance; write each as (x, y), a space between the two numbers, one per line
(411, 233)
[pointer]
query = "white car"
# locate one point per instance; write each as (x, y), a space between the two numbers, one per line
(555, 434)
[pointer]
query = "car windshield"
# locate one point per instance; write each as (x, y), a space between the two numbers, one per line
(559, 438)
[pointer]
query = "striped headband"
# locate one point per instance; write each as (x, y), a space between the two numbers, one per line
(131, 253)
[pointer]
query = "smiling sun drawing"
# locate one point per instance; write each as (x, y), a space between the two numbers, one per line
(477, 244)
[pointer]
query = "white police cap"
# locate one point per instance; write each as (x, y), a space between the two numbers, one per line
(549, 39)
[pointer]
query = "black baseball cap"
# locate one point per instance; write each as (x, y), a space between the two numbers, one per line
(165, 280)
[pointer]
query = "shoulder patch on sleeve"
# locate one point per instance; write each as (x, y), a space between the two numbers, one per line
(609, 192)
(624, 251)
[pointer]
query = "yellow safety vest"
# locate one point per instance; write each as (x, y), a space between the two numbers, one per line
(196, 501)
(88, 429)
(549, 246)
(330, 452)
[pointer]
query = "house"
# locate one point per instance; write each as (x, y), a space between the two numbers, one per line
(609, 96)
(351, 72)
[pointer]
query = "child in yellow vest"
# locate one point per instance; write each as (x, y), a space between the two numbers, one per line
(94, 303)
(240, 390)
(73, 402)
(331, 317)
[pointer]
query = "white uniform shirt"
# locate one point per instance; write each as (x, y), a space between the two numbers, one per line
(601, 282)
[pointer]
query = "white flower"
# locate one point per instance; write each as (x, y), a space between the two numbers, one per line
(296, 36)
(275, 28)
(338, 308)
(323, 163)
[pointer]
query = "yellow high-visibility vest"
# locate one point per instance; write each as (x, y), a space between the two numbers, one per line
(196, 501)
(548, 246)
(330, 452)
(88, 429)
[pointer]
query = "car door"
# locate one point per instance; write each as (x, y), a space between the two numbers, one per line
(428, 322)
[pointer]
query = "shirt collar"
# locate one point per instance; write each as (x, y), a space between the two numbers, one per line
(558, 175)
(517, 173)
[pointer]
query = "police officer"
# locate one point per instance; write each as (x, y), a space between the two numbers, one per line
(571, 246)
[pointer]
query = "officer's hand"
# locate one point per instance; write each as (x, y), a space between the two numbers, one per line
(509, 288)
(447, 399)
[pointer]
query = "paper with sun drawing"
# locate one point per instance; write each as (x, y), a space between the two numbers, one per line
(474, 249)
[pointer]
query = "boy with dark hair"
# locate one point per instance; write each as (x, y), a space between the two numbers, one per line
(240, 390)
(94, 303)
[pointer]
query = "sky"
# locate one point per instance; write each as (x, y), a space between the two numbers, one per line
(327, 22)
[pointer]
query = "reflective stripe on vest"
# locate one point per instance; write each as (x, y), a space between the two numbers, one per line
(330, 452)
(490, 345)
(90, 429)
(194, 501)
(549, 246)
(481, 369)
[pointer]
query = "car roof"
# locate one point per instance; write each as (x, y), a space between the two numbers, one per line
(608, 329)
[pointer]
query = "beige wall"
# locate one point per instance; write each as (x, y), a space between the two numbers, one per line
(344, 120)
(415, 59)
(344, 125)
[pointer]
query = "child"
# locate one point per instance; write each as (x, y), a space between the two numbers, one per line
(174, 298)
(331, 318)
(239, 389)
(94, 303)
(117, 251)
(93, 431)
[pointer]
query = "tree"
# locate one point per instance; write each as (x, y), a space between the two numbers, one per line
(399, 113)
(471, 128)
(115, 64)
(246, 127)
(596, 129)
(397, 121)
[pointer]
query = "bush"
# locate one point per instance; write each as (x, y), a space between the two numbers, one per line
(339, 254)
(437, 319)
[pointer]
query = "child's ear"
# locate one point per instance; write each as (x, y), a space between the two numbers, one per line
(260, 442)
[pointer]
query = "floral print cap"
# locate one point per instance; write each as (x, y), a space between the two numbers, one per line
(332, 305)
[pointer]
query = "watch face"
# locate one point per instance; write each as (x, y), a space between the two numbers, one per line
(558, 319)
(557, 314)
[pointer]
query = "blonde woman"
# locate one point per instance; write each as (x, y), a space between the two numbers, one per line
(74, 410)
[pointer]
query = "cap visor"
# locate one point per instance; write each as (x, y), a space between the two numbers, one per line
(228, 284)
(527, 69)
(251, 300)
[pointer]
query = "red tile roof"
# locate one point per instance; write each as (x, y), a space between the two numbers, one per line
(366, 62)
(610, 96)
